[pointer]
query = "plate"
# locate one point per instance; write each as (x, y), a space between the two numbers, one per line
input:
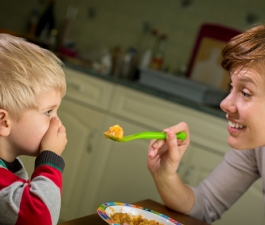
(105, 211)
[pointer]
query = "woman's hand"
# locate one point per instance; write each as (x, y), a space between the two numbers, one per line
(163, 161)
(164, 155)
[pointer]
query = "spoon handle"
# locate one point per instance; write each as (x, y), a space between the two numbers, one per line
(152, 135)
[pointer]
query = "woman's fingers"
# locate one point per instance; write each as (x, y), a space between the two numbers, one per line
(154, 146)
(174, 154)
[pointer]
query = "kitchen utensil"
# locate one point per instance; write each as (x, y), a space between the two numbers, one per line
(106, 211)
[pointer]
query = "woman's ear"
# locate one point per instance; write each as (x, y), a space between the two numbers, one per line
(4, 123)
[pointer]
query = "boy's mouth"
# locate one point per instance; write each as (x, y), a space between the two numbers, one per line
(236, 125)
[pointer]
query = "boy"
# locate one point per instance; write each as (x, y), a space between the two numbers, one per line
(32, 84)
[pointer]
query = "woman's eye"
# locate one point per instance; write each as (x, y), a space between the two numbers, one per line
(230, 87)
(245, 94)
(48, 113)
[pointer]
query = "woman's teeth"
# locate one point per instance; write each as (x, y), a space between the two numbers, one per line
(236, 125)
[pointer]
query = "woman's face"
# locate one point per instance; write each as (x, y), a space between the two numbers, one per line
(245, 109)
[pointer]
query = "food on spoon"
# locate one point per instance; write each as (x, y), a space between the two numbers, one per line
(114, 132)
(127, 219)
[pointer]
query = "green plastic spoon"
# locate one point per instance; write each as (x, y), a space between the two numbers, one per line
(145, 135)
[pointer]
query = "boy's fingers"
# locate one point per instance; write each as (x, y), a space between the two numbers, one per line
(60, 122)
(54, 124)
(62, 130)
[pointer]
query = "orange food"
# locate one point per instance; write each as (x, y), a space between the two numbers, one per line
(114, 132)
(125, 218)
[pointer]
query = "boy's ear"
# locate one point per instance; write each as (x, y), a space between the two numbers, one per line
(4, 123)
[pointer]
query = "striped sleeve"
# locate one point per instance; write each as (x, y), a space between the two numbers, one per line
(35, 201)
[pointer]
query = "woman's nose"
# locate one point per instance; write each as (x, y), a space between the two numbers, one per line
(228, 104)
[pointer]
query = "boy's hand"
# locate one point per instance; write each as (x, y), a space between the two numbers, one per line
(55, 138)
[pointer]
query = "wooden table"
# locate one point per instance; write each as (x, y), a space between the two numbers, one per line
(95, 219)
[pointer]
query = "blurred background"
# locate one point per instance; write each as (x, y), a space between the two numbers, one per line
(94, 25)
(155, 43)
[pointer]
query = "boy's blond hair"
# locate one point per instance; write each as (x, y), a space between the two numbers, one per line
(26, 71)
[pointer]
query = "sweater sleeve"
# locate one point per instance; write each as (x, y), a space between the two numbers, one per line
(224, 186)
(35, 201)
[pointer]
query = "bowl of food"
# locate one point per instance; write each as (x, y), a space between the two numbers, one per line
(118, 213)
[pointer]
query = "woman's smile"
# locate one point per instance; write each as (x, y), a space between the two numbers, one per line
(236, 125)
(235, 128)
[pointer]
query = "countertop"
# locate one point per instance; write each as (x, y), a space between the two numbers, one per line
(85, 68)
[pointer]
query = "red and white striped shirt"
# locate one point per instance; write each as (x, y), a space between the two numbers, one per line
(35, 201)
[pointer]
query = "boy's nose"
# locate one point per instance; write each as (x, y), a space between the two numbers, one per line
(228, 104)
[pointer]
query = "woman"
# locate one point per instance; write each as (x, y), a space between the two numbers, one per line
(244, 59)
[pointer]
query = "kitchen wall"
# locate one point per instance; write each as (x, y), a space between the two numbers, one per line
(107, 23)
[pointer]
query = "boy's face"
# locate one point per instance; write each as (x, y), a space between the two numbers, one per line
(245, 109)
(26, 134)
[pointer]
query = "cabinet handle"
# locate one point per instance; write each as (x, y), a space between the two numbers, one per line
(91, 137)
(93, 133)
(78, 87)
(190, 171)
(180, 168)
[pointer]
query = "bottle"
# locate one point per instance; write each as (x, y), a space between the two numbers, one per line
(106, 62)
(46, 22)
(52, 41)
(32, 23)
(69, 19)
(159, 55)
(129, 63)
(148, 53)
(116, 61)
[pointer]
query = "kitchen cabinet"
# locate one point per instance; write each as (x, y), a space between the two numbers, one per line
(100, 170)
(124, 174)
(82, 125)
(28, 163)
(82, 112)
(199, 164)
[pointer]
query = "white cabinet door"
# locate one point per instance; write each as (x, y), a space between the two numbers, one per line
(123, 175)
(199, 163)
(29, 163)
(88, 89)
(82, 125)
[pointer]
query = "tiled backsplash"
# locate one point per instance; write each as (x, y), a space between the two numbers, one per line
(107, 23)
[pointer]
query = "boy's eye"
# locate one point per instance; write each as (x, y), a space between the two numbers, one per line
(48, 113)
